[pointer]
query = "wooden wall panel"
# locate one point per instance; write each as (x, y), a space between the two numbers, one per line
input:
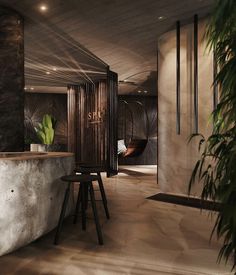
(112, 123)
(92, 122)
(71, 116)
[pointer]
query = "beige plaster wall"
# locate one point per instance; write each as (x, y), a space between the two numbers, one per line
(176, 157)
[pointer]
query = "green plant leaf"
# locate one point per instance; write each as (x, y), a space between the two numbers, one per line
(45, 130)
(216, 166)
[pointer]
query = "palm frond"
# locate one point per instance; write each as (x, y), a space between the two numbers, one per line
(216, 167)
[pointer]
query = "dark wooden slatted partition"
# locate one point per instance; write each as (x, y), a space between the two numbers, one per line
(92, 122)
(71, 117)
(112, 123)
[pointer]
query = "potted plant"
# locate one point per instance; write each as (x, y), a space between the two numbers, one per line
(216, 168)
(46, 133)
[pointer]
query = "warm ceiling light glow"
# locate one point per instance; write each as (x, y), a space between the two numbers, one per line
(31, 88)
(43, 8)
(54, 69)
(139, 91)
(25, 88)
(48, 73)
(161, 18)
(145, 92)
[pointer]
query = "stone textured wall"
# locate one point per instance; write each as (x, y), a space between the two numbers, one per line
(11, 81)
(176, 157)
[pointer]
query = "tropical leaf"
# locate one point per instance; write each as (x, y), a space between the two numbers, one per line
(46, 130)
(216, 167)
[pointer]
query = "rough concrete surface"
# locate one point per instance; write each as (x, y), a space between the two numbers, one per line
(31, 195)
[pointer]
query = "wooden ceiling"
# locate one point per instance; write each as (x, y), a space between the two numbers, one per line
(74, 39)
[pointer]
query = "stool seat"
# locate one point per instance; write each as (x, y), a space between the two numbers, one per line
(83, 169)
(87, 165)
(80, 178)
(92, 166)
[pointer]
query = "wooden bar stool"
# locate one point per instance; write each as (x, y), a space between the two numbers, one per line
(85, 187)
(87, 170)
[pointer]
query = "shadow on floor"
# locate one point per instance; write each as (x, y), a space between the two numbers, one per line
(132, 172)
(186, 201)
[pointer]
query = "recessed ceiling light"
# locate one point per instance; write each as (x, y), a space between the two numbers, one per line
(139, 91)
(25, 88)
(48, 73)
(43, 7)
(31, 88)
(145, 92)
(160, 18)
(54, 69)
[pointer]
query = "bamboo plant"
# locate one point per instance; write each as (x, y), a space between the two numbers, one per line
(216, 167)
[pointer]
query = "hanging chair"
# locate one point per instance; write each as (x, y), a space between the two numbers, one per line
(135, 146)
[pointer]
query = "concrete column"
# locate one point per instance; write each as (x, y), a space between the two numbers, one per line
(11, 81)
(177, 157)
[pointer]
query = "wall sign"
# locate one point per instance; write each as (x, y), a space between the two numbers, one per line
(96, 117)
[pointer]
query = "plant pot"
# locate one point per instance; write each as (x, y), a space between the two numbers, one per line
(34, 147)
(42, 148)
(37, 147)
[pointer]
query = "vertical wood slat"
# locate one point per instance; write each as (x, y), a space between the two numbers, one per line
(90, 133)
(96, 126)
(195, 80)
(71, 117)
(178, 77)
(157, 99)
(94, 141)
(112, 89)
(103, 130)
(81, 110)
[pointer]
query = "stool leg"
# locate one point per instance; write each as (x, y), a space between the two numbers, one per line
(98, 227)
(83, 204)
(103, 194)
(77, 205)
(86, 191)
(86, 196)
(62, 215)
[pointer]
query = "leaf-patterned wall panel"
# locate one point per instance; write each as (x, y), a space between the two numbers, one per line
(140, 126)
(36, 105)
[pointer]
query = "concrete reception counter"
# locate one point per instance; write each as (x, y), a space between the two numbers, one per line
(31, 195)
